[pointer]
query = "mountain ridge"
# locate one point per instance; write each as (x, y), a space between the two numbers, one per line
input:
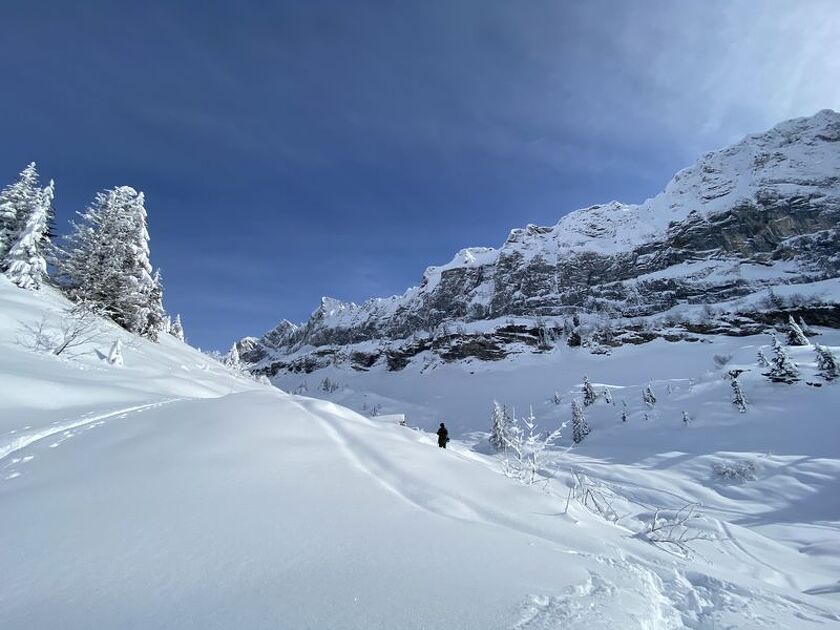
(759, 214)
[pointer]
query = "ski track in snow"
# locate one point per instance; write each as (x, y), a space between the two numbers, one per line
(61, 432)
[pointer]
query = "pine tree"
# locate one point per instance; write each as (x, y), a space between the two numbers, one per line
(608, 396)
(827, 364)
(17, 201)
(648, 396)
(737, 393)
(26, 262)
(155, 315)
(177, 329)
(588, 392)
(580, 428)
(500, 427)
(795, 336)
(762, 360)
(782, 368)
(107, 263)
(232, 359)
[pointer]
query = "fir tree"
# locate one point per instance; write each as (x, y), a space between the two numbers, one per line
(762, 360)
(588, 392)
(648, 396)
(232, 359)
(827, 364)
(177, 329)
(17, 200)
(782, 367)
(608, 396)
(795, 336)
(107, 263)
(500, 426)
(26, 262)
(805, 327)
(580, 428)
(737, 393)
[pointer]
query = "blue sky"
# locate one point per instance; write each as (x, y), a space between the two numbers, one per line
(290, 150)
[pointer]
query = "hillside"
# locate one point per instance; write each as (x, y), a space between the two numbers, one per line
(711, 253)
(170, 492)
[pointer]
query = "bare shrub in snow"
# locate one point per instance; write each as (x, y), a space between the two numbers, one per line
(674, 529)
(524, 447)
(827, 364)
(78, 327)
(737, 470)
(592, 494)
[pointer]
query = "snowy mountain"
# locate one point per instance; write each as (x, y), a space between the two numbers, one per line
(164, 490)
(742, 238)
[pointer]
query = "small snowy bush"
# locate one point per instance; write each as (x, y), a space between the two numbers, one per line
(737, 470)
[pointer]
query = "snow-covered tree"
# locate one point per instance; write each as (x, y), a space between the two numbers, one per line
(648, 397)
(115, 356)
(737, 393)
(232, 359)
(762, 360)
(501, 423)
(827, 364)
(580, 428)
(524, 447)
(686, 418)
(608, 396)
(177, 329)
(106, 261)
(795, 336)
(155, 317)
(589, 395)
(805, 327)
(782, 367)
(624, 411)
(17, 201)
(26, 261)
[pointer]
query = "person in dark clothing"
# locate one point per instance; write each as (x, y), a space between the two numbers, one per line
(443, 436)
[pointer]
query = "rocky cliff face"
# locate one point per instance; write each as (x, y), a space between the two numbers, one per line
(743, 222)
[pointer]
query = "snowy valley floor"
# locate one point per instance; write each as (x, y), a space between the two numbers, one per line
(169, 493)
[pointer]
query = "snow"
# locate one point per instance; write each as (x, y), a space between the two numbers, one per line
(171, 492)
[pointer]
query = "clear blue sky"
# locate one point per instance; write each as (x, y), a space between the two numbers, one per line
(290, 150)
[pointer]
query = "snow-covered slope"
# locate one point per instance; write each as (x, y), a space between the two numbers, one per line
(168, 492)
(759, 215)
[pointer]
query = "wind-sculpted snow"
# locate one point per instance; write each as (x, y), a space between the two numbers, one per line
(761, 214)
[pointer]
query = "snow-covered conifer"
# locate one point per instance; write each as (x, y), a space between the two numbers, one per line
(232, 359)
(588, 392)
(177, 329)
(737, 393)
(580, 428)
(624, 411)
(608, 396)
(686, 418)
(762, 360)
(17, 201)
(795, 336)
(827, 364)
(500, 425)
(115, 356)
(805, 327)
(26, 261)
(648, 396)
(106, 261)
(782, 367)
